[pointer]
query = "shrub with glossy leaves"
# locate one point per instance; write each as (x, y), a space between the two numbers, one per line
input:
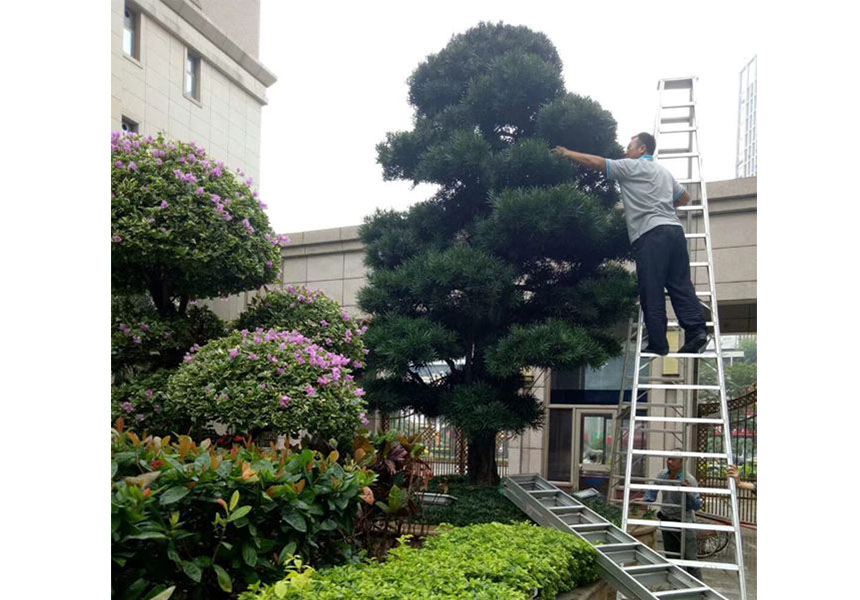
(183, 226)
(487, 562)
(297, 308)
(268, 380)
(211, 520)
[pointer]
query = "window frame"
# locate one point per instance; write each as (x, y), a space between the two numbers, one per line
(198, 73)
(135, 38)
(126, 119)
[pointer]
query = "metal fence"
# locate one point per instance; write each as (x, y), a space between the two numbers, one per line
(742, 419)
(447, 449)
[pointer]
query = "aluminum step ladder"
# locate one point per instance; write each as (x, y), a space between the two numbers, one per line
(678, 118)
(628, 565)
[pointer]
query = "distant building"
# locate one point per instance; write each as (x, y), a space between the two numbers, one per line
(746, 162)
(191, 69)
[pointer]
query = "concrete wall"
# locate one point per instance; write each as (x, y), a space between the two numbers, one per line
(227, 118)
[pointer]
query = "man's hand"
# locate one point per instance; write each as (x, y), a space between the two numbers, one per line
(598, 163)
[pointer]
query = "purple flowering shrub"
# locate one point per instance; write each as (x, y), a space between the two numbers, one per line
(141, 402)
(183, 226)
(297, 308)
(143, 340)
(269, 380)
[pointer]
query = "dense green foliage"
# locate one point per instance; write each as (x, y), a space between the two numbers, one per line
(315, 315)
(143, 340)
(268, 380)
(480, 562)
(514, 262)
(475, 504)
(210, 520)
(183, 226)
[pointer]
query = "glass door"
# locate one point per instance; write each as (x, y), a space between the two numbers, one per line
(593, 445)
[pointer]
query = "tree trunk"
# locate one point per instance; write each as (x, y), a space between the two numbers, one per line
(482, 460)
(160, 296)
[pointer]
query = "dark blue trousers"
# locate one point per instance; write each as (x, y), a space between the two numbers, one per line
(663, 263)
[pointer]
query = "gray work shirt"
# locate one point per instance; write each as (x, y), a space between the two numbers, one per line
(648, 192)
(673, 513)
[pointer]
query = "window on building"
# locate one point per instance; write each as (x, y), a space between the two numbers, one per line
(129, 126)
(131, 33)
(192, 74)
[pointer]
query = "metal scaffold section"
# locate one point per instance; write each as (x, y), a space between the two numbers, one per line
(630, 566)
(647, 432)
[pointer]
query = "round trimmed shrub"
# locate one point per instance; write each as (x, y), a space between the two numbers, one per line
(297, 308)
(268, 380)
(183, 226)
(141, 402)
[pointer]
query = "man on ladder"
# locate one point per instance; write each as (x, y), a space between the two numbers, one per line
(650, 194)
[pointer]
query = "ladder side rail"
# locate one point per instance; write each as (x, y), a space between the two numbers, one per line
(724, 408)
(631, 430)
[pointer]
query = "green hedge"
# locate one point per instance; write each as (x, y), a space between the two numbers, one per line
(475, 504)
(481, 562)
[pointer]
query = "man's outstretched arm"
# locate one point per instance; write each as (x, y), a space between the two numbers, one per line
(597, 163)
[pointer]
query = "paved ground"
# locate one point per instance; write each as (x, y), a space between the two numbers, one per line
(726, 582)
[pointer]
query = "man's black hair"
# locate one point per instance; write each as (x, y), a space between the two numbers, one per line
(647, 140)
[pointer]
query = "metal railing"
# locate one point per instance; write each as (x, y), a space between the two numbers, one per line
(742, 418)
(447, 448)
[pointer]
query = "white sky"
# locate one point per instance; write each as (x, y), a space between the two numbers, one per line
(342, 70)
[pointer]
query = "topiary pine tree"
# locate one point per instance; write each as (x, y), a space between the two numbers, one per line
(514, 262)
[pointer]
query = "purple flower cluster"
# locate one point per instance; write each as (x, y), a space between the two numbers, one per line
(303, 350)
(278, 241)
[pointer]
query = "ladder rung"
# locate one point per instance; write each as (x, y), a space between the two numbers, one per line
(619, 547)
(675, 488)
(649, 430)
(590, 526)
(679, 386)
(681, 525)
(702, 294)
(681, 594)
(675, 151)
(695, 420)
(695, 236)
(679, 105)
(689, 208)
(672, 453)
(680, 355)
(681, 83)
(656, 567)
(680, 130)
(686, 119)
(644, 405)
(571, 508)
(699, 264)
(676, 324)
(704, 564)
(674, 155)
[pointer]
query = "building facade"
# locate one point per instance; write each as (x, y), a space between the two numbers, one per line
(572, 448)
(746, 161)
(191, 69)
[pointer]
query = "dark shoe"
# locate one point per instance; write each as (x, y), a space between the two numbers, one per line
(696, 344)
(650, 350)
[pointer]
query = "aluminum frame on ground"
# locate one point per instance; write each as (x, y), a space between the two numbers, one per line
(550, 507)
